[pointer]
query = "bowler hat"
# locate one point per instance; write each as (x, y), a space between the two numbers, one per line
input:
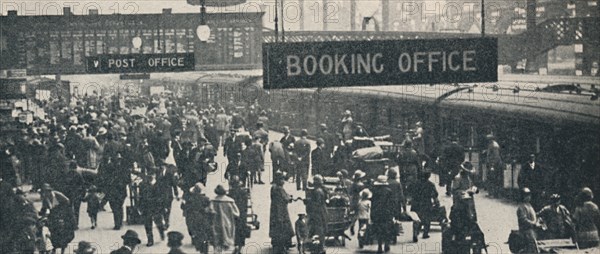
(198, 188)
(174, 237)
(131, 235)
(220, 190)
(303, 132)
(467, 165)
(359, 174)
(381, 180)
(85, 248)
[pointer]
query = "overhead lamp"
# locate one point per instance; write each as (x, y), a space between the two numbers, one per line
(137, 42)
(203, 32)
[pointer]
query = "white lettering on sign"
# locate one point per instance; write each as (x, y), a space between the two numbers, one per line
(374, 63)
(294, 65)
(121, 63)
(455, 67)
(166, 61)
(336, 64)
(404, 58)
(468, 59)
(419, 60)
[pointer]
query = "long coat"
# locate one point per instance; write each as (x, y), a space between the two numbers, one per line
(382, 213)
(240, 196)
(196, 210)
(280, 225)
(316, 211)
(223, 228)
(319, 160)
(61, 220)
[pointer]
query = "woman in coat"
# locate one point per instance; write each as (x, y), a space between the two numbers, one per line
(61, 220)
(587, 221)
(382, 213)
(225, 212)
(240, 195)
(316, 210)
(280, 225)
(196, 209)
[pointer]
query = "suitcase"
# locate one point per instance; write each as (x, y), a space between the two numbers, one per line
(134, 217)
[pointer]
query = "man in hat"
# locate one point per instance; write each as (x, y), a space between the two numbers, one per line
(494, 165)
(331, 141)
(354, 192)
(287, 138)
(167, 180)
(232, 145)
(204, 158)
(316, 209)
(398, 191)
(587, 220)
(240, 195)
(61, 220)
(174, 242)
(528, 222)
(382, 213)
(557, 218)
(222, 123)
(347, 125)
(319, 158)
(73, 186)
(452, 156)
(196, 209)
(462, 183)
(424, 202)
(150, 206)
(418, 138)
(280, 225)
(532, 176)
(85, 248)
(409, 162)
(117, 179)
(302, 151)
(279, 157)
(264, 118)
(256, 156)
(130, 241)
(225, 213)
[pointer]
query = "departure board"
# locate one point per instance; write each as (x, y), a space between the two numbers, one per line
(63, 44)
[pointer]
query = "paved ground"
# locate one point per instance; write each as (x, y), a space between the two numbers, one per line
(496, 218)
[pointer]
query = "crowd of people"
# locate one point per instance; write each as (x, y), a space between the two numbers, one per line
(93, 150)
(96, 151)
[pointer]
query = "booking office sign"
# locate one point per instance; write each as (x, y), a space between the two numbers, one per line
(385, 62)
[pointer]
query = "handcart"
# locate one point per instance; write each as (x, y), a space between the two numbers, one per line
(338, 221)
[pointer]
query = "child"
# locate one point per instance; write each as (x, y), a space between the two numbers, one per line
(364, 214)
(94, 204)
(44, 244)
(301, 232)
